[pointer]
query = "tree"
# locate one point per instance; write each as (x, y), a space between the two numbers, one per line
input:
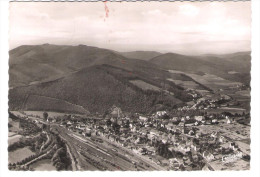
(45, 116)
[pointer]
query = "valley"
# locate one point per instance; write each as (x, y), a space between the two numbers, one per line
(105, 111)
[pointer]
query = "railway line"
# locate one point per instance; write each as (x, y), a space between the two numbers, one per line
(92, 155)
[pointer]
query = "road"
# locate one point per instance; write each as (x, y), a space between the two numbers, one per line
(92, 155)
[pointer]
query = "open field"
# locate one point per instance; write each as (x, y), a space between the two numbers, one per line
(213, 82)
(236, 165)
(43, 165)
(13, 139)
(34, 102)
(209, 80)
(39, 114)
(227, 109)
(244, 93)
(143, 85)
(185, 84)
(229, 131)
(19, 155)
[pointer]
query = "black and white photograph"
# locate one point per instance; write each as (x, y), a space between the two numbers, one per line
(129, 86)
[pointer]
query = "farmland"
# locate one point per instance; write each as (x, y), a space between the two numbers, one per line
(143, 85)
(185, 84)
(19, 154)
(209, 80)
(43, 165)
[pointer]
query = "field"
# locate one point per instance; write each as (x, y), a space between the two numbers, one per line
(143, 85)
(236, 165)
(185, 84)
(203, 92)
(227, 109)
(43, 165)
(244, 93)
(48, 104)
(13, 139)
(229, 131)
(213, 82)
(243, 97)
(15, 126)
(209, 80)
(19, 155)
(40, 114)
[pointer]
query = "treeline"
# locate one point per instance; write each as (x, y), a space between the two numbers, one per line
(33, 143)
(61, 159)
(56, 151)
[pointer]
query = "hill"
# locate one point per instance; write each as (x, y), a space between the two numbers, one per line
(96, 89)
(29, 64)
(141, 55)
(233, 67)
(88, 77)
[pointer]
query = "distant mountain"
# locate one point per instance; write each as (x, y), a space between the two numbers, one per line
(141, 55)
(87, 79)
(47, 62)
(240, 61)
(217, 65)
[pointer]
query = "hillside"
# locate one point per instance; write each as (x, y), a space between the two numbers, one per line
(86, 79)
(141, 55)
(233, 67)
(96, 89)
(89, 79)
(47, 62)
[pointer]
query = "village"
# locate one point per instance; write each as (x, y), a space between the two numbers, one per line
(190, 140)
(203, 134)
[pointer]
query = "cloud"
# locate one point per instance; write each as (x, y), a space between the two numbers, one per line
(156, 26)
(189, 10)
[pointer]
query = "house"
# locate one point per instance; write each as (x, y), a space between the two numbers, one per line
(151, 150)
(169, 126)
(174, 163)
(49, 119)
(208, 156)
(221, 139)
(161, 113)
(228, 121)
(81, 126)
(233, 146)
(181, 124)
(164, 139)
(196, 123)
(191, 132)
(115, 112)
(175, 119)
(154, 132)
(187, 117)
(214, 134)
(142, 118)
(69, 123)
(143, 131)
(214, 121)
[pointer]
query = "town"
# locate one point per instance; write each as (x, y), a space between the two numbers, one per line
(187, 138)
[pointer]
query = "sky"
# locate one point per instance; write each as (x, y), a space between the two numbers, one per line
(190, 28)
